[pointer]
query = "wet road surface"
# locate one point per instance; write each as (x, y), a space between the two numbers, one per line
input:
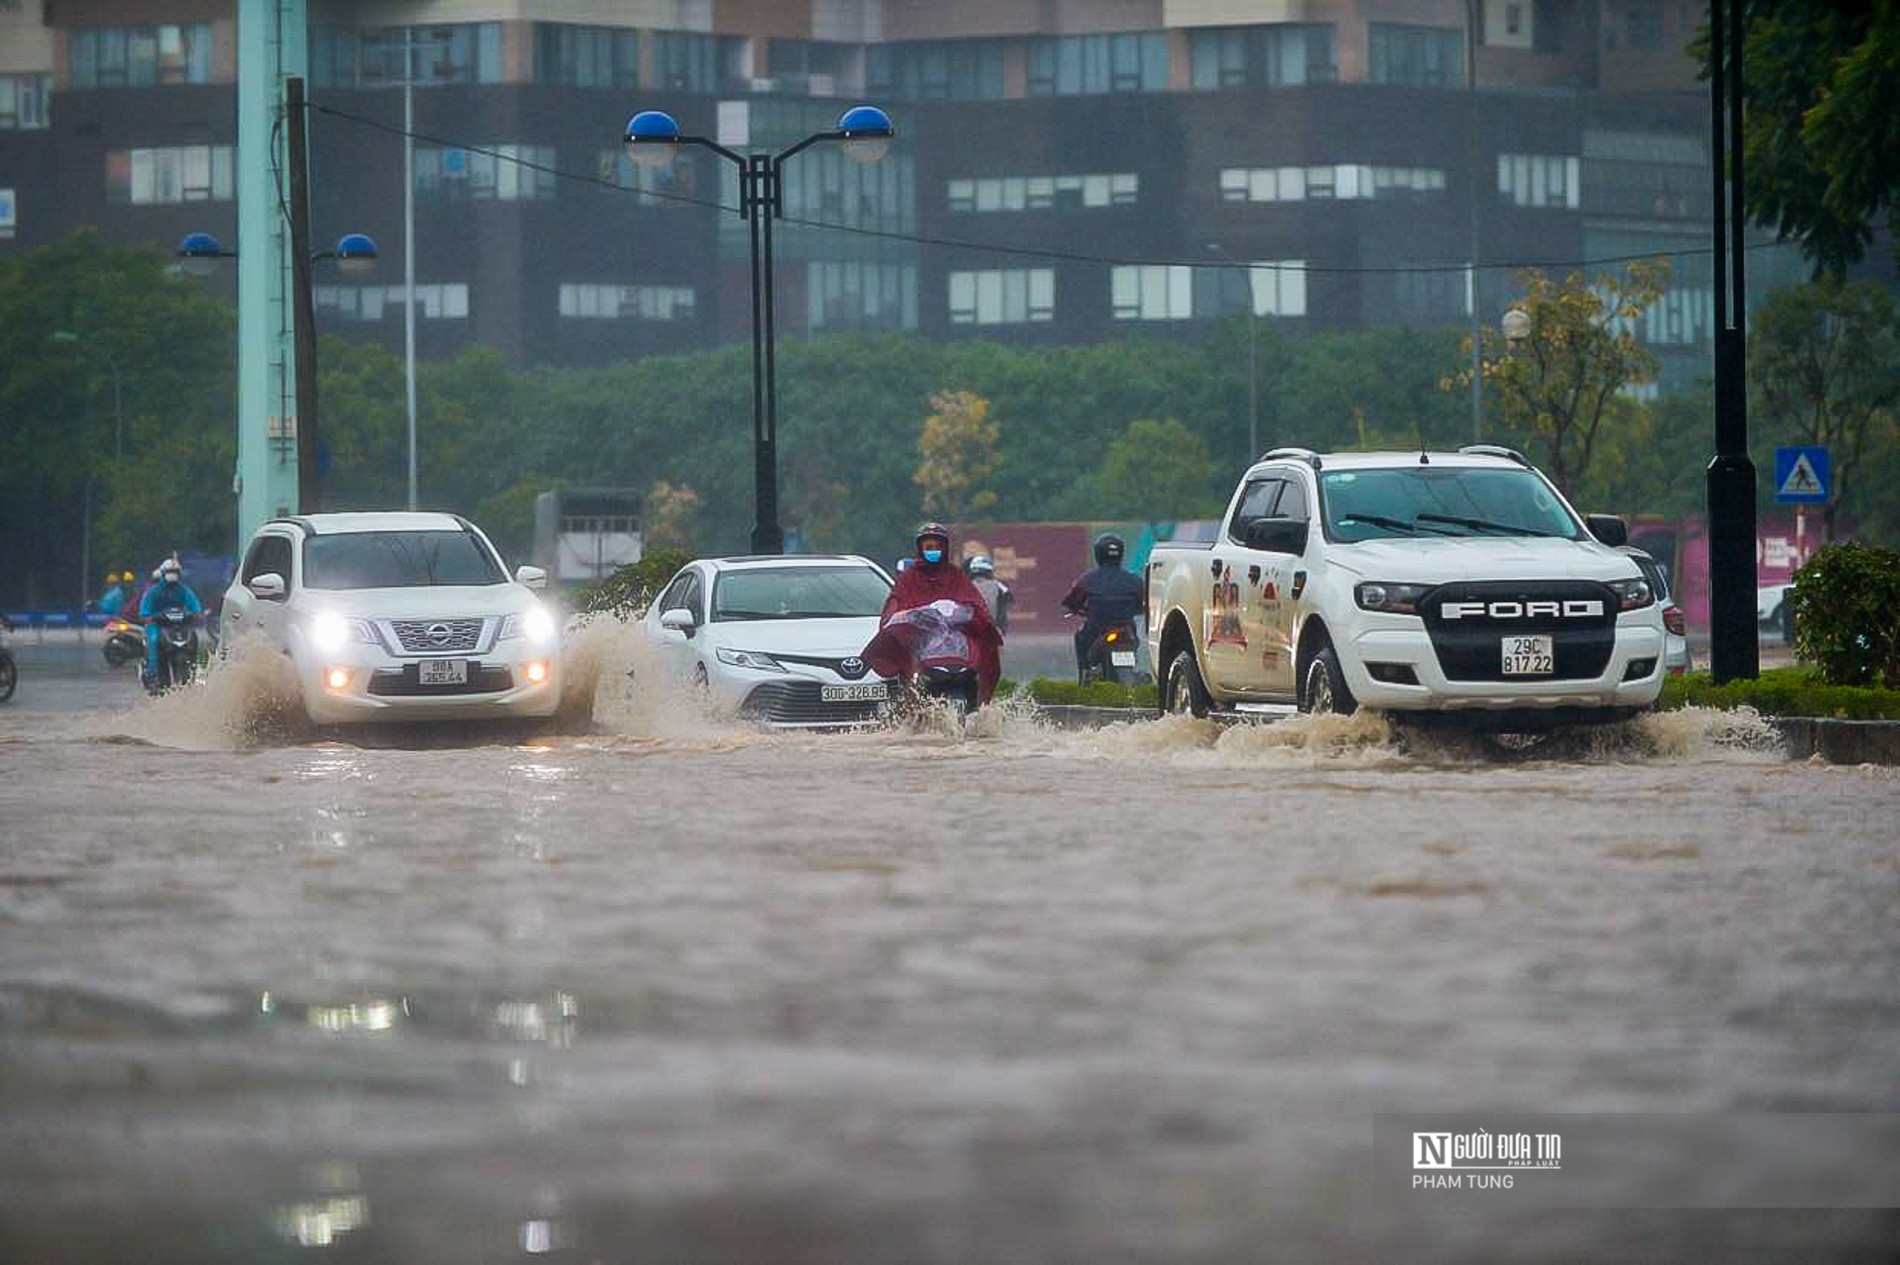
(673, 990)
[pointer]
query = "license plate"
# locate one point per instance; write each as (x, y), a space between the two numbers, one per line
(442, 672)
(870, 690)
(1528, 656)
(1122, 658)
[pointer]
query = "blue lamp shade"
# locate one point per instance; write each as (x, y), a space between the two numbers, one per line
(652, 138)
(355, 254)
(867, 133)
(198, 254)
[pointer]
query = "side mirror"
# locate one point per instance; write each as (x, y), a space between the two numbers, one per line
(268, 587)
(1607, 528)
(532, 577)
(1277, 535)
(679, 619)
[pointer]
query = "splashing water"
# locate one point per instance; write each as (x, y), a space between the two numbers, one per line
(247, 698)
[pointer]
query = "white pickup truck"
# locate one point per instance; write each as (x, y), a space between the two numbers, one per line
(1455, 587)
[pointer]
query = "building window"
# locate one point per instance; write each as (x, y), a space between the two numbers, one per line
(1003, 296)
(1273, 56)
(586, 56)
(1152, 292)
(505, 173)
(140, 56)
(1075, 65)
(346, 57)
(1634, 24)
(23, 101)
(1416, 56)
(1043, 193)
(946, 70)
(1544, 180)
(9, 213)
(442, 302)
(685, 62)
(1429, 293)
(651, 186)
(635, 302)
(169, 177)
(1340, 180)
(848, 295)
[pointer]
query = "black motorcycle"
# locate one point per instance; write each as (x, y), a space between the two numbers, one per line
(9, 670)
(1111, 656)
(177, 649)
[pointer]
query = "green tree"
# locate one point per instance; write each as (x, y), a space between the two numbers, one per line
(1821, 128)
(958, 454)
(1562, 381)
(1155, 471)
(1824, 364)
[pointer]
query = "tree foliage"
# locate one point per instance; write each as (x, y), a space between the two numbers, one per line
(1158, 471)
(1563, 380)
(958, 455)
(1824, 368)
(1821, 127)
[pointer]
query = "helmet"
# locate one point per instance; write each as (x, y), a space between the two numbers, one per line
(169, 569)
(981, 565)
(1108, 550)
(927, 531)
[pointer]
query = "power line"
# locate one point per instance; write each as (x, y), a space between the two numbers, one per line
(1034, 252)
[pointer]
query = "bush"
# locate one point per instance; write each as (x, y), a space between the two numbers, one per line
(628, 591)
(1846, 604)
(1783, 692)
(1053, 693)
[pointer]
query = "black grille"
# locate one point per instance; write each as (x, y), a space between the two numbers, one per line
(799, 703)
(405, 682)
(437, 636)
(1470, 648)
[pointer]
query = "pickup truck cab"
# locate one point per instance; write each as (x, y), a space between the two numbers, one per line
(1457, 587)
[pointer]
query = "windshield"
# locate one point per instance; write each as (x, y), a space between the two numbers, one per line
(398, 560)
(799, 593)
(1438, 501)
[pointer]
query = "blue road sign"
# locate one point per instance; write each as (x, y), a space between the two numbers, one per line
(1802, 475)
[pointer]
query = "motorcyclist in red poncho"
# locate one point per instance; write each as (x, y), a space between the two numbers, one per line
(930, 580)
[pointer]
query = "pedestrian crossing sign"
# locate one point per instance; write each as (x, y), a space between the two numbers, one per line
(1802, 475)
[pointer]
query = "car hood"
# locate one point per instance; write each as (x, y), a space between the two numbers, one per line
(436, 601)
(819, 638)
(1443, 560)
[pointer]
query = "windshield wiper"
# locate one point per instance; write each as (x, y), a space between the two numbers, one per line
(1483, 524)
(1378, 520)
(731, 614)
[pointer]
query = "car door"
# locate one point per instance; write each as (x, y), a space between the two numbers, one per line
(679, 651)
(1230, 652)
(273, 552)
(1269, 596)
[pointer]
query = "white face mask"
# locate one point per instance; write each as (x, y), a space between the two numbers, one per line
(169, 577)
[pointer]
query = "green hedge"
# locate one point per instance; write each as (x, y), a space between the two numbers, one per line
(1846, 603)
(1784, 692)
(1054, 693)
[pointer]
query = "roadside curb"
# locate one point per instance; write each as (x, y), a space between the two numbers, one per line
(1835, 741)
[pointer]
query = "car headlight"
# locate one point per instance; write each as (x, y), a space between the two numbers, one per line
(1396, 599)
(535, 623)
(330, 632)
(749, 659)
(1631, 595)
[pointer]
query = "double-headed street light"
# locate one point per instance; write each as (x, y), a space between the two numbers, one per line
(653, 139)
(355, 255)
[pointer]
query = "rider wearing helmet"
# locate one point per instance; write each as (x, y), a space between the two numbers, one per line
(168, 589)
(112, 601)
(932, 576)
(1107, 595)
(996, 593)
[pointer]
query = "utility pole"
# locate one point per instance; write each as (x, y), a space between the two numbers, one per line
(1471, 271)
(296, 138)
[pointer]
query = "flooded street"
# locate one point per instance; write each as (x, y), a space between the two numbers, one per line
(674, 990)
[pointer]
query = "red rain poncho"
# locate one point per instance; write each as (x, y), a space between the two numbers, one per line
(920, 585)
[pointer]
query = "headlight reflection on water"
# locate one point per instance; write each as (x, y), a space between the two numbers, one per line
(339, 1208)
(372, 1015)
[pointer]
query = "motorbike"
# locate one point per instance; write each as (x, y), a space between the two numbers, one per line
(1111, 656)
(927, 650)
(125, 641)
(177, 649)
(9, 670)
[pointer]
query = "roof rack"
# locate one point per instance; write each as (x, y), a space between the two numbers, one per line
(1496, 450)
(1307, 455)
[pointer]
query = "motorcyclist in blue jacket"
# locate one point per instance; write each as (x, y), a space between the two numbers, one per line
(168, 589)
(1107, 595)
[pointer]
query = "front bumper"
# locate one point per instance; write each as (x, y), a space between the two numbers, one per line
(1612, 690)
(368, 687)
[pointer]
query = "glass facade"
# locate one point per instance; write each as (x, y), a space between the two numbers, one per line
(1277, 56)
(1078, 65)
(139, 56)
(1416, 56)
(586, 56)
(351, 57)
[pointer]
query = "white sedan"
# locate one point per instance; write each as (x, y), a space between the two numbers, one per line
(776, 639)
(399, 616)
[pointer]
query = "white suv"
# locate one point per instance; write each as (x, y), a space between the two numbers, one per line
(399, 616)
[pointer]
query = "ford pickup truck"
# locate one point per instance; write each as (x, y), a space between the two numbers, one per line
(1457, 587)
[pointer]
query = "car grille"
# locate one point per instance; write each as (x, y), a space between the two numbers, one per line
(799, 703)
(437, 636)
(403, 682)
(1470, 648)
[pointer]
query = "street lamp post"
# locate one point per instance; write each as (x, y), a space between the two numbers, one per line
(653, 138)
(355, 255)
(1253, 339)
